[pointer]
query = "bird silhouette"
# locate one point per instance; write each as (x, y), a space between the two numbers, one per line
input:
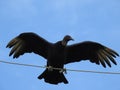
(58, 54)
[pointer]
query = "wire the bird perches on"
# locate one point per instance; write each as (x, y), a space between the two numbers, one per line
(85, 71)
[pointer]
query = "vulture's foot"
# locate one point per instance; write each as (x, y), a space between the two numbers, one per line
(50, 68)
(63, 70)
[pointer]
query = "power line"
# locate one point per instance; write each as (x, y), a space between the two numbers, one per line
(85, 71)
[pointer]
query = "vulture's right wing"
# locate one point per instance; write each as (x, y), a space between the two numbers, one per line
(92, 51)
(27, 43)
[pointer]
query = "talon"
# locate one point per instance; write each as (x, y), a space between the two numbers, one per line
(50, 68)
(63, 70)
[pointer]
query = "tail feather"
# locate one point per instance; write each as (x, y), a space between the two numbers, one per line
(53, 77)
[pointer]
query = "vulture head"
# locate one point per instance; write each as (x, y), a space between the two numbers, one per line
(66, 39)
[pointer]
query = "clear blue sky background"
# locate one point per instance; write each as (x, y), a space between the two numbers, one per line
(94, 20)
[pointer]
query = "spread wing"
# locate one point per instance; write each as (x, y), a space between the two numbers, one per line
(27, 43)
(92, 51)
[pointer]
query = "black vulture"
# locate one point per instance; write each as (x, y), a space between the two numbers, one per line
(58, 54)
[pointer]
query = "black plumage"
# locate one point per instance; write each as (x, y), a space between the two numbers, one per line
(59, 53)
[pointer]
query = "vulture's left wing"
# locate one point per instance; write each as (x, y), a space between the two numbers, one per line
(92, 51)
(27, 43)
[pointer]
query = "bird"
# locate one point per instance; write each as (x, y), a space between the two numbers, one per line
(60, 53)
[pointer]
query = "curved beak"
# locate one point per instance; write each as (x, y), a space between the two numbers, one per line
(71, 39)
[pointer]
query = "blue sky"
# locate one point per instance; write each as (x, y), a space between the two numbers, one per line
(94, 20)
